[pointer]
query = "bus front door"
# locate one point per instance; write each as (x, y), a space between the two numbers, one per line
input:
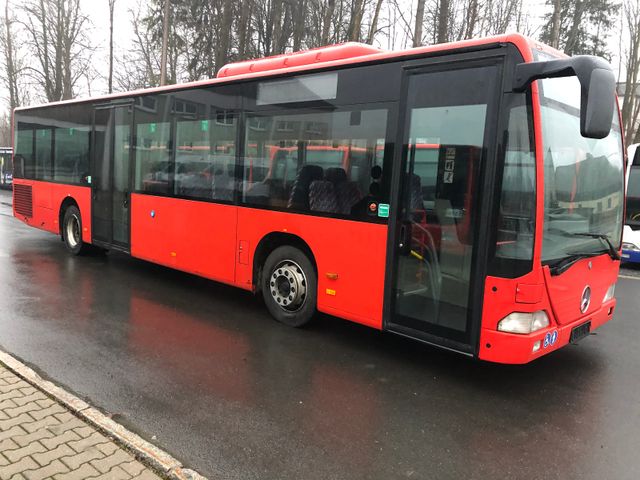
(444, 143)
(111, 173)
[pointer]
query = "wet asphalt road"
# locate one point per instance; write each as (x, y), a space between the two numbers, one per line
(201, 370)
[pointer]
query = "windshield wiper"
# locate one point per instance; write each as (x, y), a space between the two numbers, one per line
(562, 265)
(613, 253)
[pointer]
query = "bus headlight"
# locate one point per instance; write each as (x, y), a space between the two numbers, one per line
(524, 323)
(611, 291)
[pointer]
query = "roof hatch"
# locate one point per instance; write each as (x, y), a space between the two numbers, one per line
(296, 59)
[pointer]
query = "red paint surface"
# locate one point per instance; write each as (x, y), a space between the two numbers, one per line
(565, 290)
(47, 199)
(195, 237)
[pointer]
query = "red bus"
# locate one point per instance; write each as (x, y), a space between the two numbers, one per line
(467, 195)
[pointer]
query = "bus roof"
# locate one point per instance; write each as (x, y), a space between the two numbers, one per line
(322, 57)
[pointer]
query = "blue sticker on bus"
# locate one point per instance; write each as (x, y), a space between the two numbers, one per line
(550, 338)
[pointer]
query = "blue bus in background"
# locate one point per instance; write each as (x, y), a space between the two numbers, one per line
(6, 167)
(631, 235)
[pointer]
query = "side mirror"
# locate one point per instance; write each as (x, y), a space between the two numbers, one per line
(597, 84)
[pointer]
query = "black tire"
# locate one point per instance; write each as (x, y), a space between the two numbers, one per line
(72, 231)
(290, 286)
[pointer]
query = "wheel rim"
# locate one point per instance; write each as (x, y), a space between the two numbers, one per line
(73, 231)
(288, 286)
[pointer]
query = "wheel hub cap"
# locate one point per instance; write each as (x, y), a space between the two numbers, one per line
(288, 286)
(73, 231)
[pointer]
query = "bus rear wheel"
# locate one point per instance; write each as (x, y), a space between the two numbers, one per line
(72, 231)
(289, 286)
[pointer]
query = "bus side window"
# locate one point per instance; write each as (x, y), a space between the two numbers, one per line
(318, 162)
(23, 165)
(153, 152)
(205, 150)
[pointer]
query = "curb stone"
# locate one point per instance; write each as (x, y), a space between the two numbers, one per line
(146, 452)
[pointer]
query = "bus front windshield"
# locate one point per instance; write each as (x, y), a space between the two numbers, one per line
(583, 177)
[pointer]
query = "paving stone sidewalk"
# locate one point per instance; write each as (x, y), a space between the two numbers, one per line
(40, 438)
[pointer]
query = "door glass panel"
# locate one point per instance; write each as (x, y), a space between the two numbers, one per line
(446, 116)
(101, 207)
(111, 173)
(121, 169)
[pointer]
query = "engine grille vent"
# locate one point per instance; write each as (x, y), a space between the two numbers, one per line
(23, 200)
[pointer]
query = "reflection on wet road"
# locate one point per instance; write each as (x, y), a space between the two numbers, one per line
(233, 394)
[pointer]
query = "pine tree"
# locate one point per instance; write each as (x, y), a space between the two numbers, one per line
(584, 26)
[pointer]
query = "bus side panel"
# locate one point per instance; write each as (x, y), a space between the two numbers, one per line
(354, 251)
(196, 237)
(47, 199)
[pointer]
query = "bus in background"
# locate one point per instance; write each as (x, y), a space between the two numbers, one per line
(631, 234)
(467, 195)
(6, 167)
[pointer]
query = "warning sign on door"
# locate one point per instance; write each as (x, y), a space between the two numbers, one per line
(448, 177)
(448, 165)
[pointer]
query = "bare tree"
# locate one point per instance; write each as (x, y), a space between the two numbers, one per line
(326, 21)
(13, 62)
(631, 102)
(165, 42)
(112, 4)
(58, 40)
(417, 34)
(138, 67)
(443, 19)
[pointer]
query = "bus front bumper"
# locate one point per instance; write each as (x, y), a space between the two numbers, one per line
(502, 347)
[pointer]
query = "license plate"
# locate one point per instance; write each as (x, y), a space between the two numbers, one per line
(579, 332)
(626, 255)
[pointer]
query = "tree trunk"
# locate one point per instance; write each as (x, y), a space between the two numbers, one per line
(12, 74)
(373, 29)
(572, 38)
(417, 32)
(243, 27)
(555, 25)
(111, 8)
(630, 103)
(472, 19)
(165, 42)
(276, 24)
(224, 38)
(443, 21)
(326, 21)
(300, 8)
(355, 22)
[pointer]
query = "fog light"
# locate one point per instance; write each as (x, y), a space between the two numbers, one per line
(611, 291)
(523, 323)
(536, 346)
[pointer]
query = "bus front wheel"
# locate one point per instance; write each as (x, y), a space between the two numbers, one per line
(72, 231)
(289, 286)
